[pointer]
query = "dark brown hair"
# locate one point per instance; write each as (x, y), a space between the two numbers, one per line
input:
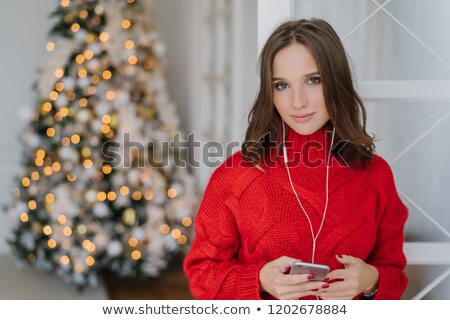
(344, 106)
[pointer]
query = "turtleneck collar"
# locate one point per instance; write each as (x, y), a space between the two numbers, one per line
(308, 151)
(307, 155)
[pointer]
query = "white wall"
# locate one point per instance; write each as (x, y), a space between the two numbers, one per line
(174, 21)
(24, 25)
(180, 25)
(246, 61)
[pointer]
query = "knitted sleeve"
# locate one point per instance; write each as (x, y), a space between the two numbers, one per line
(388, 256)
(211, 264)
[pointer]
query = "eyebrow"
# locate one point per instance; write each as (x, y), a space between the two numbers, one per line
(305, 76)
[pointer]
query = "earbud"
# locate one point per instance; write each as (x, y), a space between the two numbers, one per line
(285, 158)
(284, 146)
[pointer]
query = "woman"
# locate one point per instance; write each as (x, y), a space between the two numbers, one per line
(306, 186)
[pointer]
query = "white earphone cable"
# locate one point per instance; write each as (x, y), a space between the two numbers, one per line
(314, 236)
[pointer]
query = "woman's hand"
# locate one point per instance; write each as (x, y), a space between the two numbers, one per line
(274, 280)
(357, 277)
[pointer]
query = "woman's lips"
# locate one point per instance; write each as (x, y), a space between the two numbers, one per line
(303, 117)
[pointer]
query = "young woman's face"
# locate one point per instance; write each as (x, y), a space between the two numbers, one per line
(297, 89)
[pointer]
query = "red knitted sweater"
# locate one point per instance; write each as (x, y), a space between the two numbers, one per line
(248, 218)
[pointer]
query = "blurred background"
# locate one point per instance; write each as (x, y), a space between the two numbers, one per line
(195, 64)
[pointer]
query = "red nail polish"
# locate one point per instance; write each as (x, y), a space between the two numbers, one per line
(326, 280)
(315, 290)
(326, 285)
(340, 256)
(310, 276)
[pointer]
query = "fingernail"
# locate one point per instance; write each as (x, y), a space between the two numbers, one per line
(326, 285)
(326, 280)
(340, 256)
(310, 276)
(315, 290)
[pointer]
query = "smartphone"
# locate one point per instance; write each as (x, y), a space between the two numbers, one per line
(319, 271)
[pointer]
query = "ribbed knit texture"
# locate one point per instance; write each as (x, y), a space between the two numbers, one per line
(248, 218)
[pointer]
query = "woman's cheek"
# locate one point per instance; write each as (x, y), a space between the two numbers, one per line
(281, 102)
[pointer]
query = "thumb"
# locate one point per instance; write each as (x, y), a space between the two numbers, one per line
(284, 263)
(346, 260)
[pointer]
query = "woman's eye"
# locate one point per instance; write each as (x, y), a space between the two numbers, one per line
(314, 80)
(281, 86)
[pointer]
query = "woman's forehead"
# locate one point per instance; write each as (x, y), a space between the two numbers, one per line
(295, 59)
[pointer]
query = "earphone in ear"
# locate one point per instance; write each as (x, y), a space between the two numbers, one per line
(284, 149)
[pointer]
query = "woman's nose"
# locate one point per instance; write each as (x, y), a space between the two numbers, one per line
(299, 98)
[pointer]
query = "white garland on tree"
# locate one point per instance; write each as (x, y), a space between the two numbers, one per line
(78, 213)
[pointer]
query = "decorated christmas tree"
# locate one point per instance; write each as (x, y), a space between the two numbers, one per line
(100, 188)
